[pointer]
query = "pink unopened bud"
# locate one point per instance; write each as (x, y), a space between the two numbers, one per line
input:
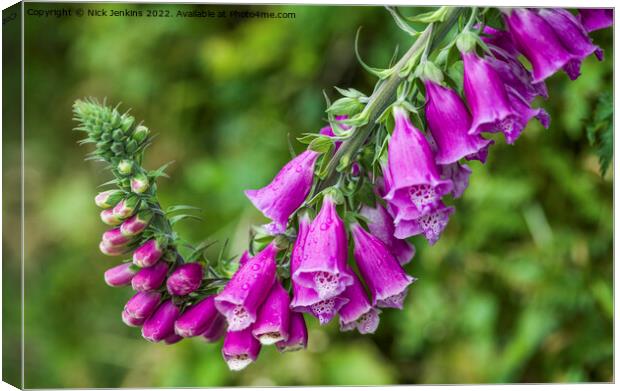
(140, 307)
(136, 223)
(139, 183)
(197, 318)
(111, 250)
(120, 275)
(147, 254)
(150, 278)
(172, 339)
(114, 237)
(108, 198)
(161, 324)
(185, 279)
(126, 207)
(108, 217)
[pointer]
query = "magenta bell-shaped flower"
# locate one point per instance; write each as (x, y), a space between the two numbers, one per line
(114, 237)
(431, 225)
(197, 318)
(148, 254)
(216, 330)
(140, 307)
(570, 32)
(297, 335)
(323, 264)
(273, 318)
(539, 43)
(109, 218)
(459, 175)
(185, 279)
(386, 279)
(307, 299)
(136, 223)
(120, 275)
(240, 349)
(248, 288)
(596, 18)
(381, 225)
(286, 192)
(358, 313)
(412, 180)
(449, 122)
(161, 323)
(150, 278)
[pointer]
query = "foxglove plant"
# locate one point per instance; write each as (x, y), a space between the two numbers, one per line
(385, 168)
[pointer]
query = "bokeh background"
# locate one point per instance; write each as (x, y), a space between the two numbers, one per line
(518, 289)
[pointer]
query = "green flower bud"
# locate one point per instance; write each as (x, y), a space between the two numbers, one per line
(117, 148)
(432, 73)
(118, 135)
(106, 137)
(140, 134)
(466, 42)
(126, 122)
(131, 147)
(125, 167)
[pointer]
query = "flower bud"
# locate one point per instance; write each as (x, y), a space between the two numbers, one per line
(120, 275)
(139, 183)
(216, 330)
(185, 279)
(297, 335)
(161, 323)
(147, 254)
(126, 207)
(114, 237)
(111, 250)
(125, 167)
(137, 223)
(108, 198)
(117, 135)
(197, 318)
(140, 133)
(140, 307)
(150, 278)
(108, 217)
(466, 42)
(172, 339)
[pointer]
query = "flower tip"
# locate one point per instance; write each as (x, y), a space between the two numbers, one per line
(238, 362)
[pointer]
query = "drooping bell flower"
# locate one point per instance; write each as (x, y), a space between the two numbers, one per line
(240, 349)
(323, 264)
(197, 318)
(449, 122)
(216, 330)
(297, 335)
(248, 288)
(539, 43)
(185, 279)
(381, 225)
(384, 276)
(140, 307)
(160, 324)
(109, 218)
(148, 254)
(150, 278)
(112, 250)
(596, 18)
(172, 339)
(120, 275)
(136, 223)
(306, 299)
(126, 207)
(358, 313)
(273, 319)
(114, 237)
(109, 198)
(412, 178)
(526, 112)
(570, 32)
(431, 225)
(459, 175)
(286, 192)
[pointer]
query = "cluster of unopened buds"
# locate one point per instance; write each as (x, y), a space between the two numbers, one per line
(371, 179)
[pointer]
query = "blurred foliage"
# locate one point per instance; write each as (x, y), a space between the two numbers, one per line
(519, 288)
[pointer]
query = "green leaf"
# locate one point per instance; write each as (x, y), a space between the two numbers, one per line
(351, 93)
(321, 144)
(161, 171)
(430, 17)
(401, 23)
(175, 219)
(345, 106)
(600, 131)
(175, 208)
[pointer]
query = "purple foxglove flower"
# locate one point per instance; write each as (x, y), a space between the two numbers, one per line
(114, 237)
(527, 112)
(297, 335)
(240, 349)
(307, 299)
(161, 323)
(136, 223)
(273, 319)
(381, 225)
(120, 275)
(570, 32)
(126, 207)
(248, 288)
(140, 307)
(538, 42)
(412, 178)
(148, 254)
(323, 264)
(286, 192)
(108, 217)
(596, 18)
(139, 183)
(197, 318)
(112, 250)
(459, 175)
(109, 198)
(431, 225)
(150, 278)
(386, 279)
(185, 279)
(216, 330)
(172, 339)
(358, 313)
(449, 122)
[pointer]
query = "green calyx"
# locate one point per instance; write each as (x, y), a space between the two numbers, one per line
(466, 41)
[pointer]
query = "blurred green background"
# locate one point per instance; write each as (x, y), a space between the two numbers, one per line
(519, 288)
